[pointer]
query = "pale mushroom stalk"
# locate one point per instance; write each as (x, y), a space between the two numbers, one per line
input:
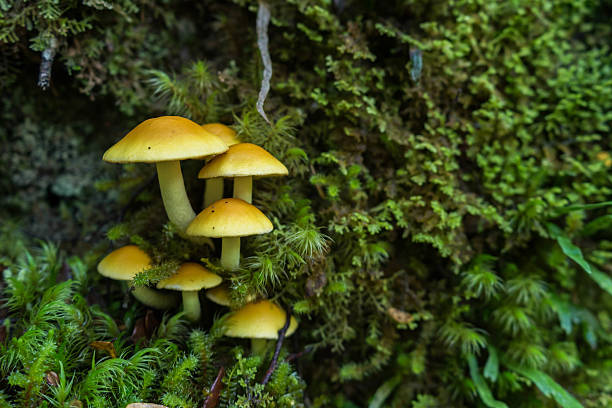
(243, 188)
(189, 279)
(230, 252)
(214, 190)
(173, 193)
(258, 346)
(191, 305)
(154, 298)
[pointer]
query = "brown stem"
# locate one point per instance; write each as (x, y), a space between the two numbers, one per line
(215, 391)
(279, 344)
(295, 356)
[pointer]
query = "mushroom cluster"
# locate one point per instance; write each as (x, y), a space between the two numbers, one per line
(166, 141)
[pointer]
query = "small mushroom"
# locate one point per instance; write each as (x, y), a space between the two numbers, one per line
(219, 295)
(189, 279)
(214, 186)
(243, 161)
(123, 264)
(230, 219)
(166, 141)
(258, 321)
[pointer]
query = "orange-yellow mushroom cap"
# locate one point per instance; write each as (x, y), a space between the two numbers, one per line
(241, 160)
(259, 320)
(225, 133)
(219, 295)
(164, 139)
(190, 276)
(230, 217)
(124, 263)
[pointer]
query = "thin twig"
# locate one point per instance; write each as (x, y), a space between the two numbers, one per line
(46, 63)
(295, 356)
(215, 391)
(279, 344)
(263, 19)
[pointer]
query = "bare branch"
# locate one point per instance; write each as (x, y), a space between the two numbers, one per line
(279, 344)
(215, 391)
(295, 356)
(46, 62)
(263, 19)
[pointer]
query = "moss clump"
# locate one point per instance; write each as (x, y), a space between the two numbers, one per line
(59, 348)
(433, 237)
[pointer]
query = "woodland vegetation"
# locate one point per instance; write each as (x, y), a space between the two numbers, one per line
(443, 235)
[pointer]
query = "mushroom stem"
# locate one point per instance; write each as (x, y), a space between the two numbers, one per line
(243, 188)
(191, 305)
(173, 194)
(214, 190)
(230, 252)
(153, 298)
(258, 346)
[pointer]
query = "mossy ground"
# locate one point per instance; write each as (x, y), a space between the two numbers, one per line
(434, 236)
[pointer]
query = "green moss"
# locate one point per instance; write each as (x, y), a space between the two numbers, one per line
(430, 146)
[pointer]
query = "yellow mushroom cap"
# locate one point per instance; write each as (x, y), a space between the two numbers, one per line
(244, 159)
(219, 295)
(124, 263)
(163, 139)
(229, 217)
(225, 133)
(190, 276)
(259, 320)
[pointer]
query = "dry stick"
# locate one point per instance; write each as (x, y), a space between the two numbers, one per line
(279, 344)
(263, 19)
(294, 356)
(46, 63)
(215, 391)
